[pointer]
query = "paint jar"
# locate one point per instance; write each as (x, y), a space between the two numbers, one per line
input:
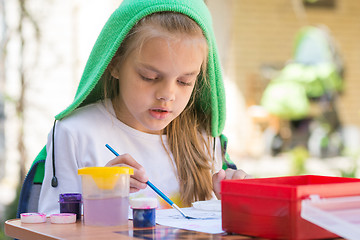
(70, 203)
(63, 218)
(105, 192)
(143, 212)
(33, 217)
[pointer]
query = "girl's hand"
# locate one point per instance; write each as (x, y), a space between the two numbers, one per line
(227, 174)
(139, 179)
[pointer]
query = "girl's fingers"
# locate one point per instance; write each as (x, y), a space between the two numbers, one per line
(139, 178)
(227, 174)
(136, 185)
(236, 174)
(133, 190)
(124, 159)
(216, 179)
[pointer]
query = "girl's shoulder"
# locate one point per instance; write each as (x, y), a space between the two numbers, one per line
(87, 116)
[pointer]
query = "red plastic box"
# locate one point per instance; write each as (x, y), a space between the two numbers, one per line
(270, 207)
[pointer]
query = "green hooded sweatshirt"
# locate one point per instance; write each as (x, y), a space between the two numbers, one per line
(113, 33)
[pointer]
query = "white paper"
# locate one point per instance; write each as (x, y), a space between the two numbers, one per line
(209, 205)
(207, 221)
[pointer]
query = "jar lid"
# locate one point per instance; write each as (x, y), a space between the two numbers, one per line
(69, 197)
(105, 171)
(143, 203)
(33, 217)
(106, 177)
(63, 218)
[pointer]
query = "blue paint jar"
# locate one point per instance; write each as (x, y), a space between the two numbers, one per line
(144, 210)
(71, 203)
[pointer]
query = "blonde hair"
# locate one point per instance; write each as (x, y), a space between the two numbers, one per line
(189, 134)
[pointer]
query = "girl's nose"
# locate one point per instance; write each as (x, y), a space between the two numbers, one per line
(166, 92)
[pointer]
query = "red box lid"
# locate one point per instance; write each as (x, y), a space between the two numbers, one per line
(292, 187)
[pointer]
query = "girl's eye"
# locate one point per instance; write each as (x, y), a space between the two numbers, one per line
(148, 79)
(183, 83)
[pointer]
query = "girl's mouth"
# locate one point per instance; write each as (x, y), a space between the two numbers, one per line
(159, 110)
(159, 113)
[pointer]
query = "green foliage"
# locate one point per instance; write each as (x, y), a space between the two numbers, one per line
(299, 155)
(354, 156)
(350, 173)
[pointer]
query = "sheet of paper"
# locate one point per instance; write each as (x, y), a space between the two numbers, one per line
(207, 222)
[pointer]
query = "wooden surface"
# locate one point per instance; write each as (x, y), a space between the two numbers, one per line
(39, 231)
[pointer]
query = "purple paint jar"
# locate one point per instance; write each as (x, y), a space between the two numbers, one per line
(70, 203)
(143, 212)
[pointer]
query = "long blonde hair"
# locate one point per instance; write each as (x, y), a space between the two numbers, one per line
(188, 134)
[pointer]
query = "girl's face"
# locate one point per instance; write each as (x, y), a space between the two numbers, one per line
(156, 83)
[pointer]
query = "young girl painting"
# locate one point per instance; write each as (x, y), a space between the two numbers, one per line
(152, 89)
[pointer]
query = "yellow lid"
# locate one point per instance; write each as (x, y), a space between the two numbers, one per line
(105, 171)
(105, 177)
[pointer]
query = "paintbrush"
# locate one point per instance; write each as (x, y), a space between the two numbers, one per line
(161, 194)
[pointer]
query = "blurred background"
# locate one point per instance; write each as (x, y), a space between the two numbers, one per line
(291, 77)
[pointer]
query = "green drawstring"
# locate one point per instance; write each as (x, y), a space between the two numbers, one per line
(227, 163)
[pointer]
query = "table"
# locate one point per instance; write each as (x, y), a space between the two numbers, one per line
(45, 231)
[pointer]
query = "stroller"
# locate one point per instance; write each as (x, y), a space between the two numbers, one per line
(303, 95)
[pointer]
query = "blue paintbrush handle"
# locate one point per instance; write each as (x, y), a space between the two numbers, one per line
(172, 204)
(160, 193)
(111, 149)
(148, 182)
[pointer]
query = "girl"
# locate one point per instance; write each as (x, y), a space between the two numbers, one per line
(152, 89)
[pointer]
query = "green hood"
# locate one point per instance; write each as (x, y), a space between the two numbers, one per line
(116, 28)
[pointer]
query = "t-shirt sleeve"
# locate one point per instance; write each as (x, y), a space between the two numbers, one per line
(66, 167)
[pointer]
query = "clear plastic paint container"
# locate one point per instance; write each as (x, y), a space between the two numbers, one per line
(70, 203)
(105, 195)
(144, 212)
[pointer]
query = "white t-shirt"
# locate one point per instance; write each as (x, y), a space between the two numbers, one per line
(80, 142)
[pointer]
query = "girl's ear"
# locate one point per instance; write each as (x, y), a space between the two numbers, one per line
(113, 69)
(114, 72)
